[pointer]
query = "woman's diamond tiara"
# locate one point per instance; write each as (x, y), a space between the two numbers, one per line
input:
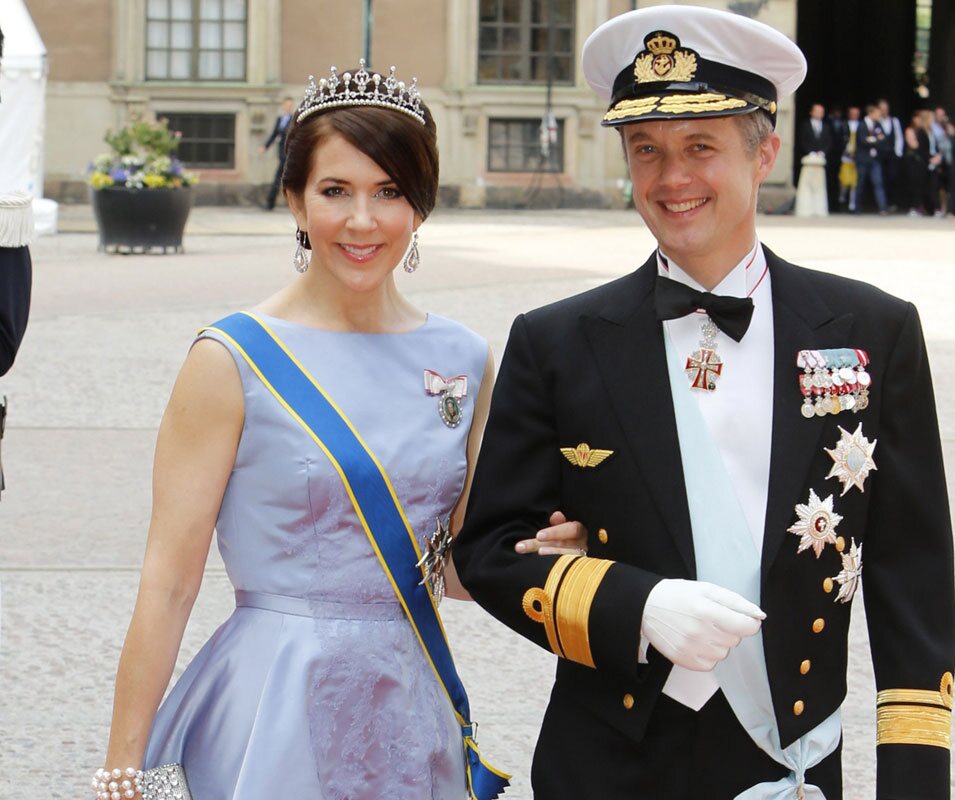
(361, 89)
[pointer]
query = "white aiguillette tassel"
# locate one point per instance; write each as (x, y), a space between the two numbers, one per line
(16, 219)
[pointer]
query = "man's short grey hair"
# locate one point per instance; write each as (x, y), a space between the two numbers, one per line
(755, 128)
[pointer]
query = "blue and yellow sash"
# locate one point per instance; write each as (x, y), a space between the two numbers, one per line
(378, 510)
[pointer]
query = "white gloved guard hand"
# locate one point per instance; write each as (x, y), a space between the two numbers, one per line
(695, 624)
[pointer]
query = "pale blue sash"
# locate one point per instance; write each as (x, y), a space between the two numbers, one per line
(726, 555)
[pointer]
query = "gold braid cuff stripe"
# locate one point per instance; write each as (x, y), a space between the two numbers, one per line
(908, 724)
(563, 605)
(573, 607)
(929, 697)
(916, 716)
(544, 598)
(673, 104)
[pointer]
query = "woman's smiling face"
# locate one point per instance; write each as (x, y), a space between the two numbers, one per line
(358, 222)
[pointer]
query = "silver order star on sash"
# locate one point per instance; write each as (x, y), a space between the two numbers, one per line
(435, 558)
(852, 457)
(816, 526)
(848, 577)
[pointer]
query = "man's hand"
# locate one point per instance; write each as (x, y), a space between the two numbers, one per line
(561, 538)
(695, 624)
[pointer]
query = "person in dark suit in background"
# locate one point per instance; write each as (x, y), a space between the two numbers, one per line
(279, 130)
(840, 132)
(814, 135)
(715, 420)
(892, 153)
(871, 151)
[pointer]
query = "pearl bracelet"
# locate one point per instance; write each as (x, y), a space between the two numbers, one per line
(118, 784)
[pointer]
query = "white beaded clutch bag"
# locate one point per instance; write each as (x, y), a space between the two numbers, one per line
(167, 782)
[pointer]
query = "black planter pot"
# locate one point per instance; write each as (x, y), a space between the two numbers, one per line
(141, 219)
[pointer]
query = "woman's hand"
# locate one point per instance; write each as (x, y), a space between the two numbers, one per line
(561, 538)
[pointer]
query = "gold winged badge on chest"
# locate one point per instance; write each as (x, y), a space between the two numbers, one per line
(584, 456)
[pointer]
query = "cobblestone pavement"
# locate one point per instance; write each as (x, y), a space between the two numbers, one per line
(106, 338)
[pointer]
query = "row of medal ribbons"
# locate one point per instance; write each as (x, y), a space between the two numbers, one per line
(833, 381)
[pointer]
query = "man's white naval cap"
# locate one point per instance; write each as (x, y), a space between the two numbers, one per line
(679, 62)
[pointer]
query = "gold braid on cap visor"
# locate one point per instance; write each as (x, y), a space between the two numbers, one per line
(674, 104)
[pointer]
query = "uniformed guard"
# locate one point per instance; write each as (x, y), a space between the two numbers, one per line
(16, 230)
(747, 441)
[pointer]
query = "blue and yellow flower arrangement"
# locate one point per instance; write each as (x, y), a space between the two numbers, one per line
(141, 156)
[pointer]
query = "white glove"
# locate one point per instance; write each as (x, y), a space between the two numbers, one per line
(695, 624)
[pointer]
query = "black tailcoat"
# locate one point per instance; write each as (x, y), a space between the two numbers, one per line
(592, 369)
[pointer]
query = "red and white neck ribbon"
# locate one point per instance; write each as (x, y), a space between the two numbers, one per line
(435, 384)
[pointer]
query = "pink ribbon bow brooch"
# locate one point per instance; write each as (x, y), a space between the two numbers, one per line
(450, 393)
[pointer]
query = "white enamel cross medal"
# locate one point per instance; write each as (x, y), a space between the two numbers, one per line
(704, 366)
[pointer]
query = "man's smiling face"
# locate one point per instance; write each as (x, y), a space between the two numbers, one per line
(695, 183)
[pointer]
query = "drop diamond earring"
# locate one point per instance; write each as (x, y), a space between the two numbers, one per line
(303, 251)
(413, 258)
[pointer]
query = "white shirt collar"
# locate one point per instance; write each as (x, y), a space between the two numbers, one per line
(740, 282)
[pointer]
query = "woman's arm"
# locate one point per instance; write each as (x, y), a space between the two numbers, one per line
(195, 452)
(452, 586)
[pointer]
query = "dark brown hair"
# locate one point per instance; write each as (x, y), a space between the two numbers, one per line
(398, 143)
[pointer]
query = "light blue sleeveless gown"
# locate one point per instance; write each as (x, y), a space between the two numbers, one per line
(316, 688)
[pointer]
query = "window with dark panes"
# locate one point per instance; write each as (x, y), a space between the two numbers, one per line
(195, 40)
(923, 39)
(208, 140)
(517, 37)
(516, 145)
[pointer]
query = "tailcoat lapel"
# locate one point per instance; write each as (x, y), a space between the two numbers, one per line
(628, 348)
(801, 321)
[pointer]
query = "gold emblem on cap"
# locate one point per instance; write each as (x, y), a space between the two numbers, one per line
(662, 60)
(583, 456)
